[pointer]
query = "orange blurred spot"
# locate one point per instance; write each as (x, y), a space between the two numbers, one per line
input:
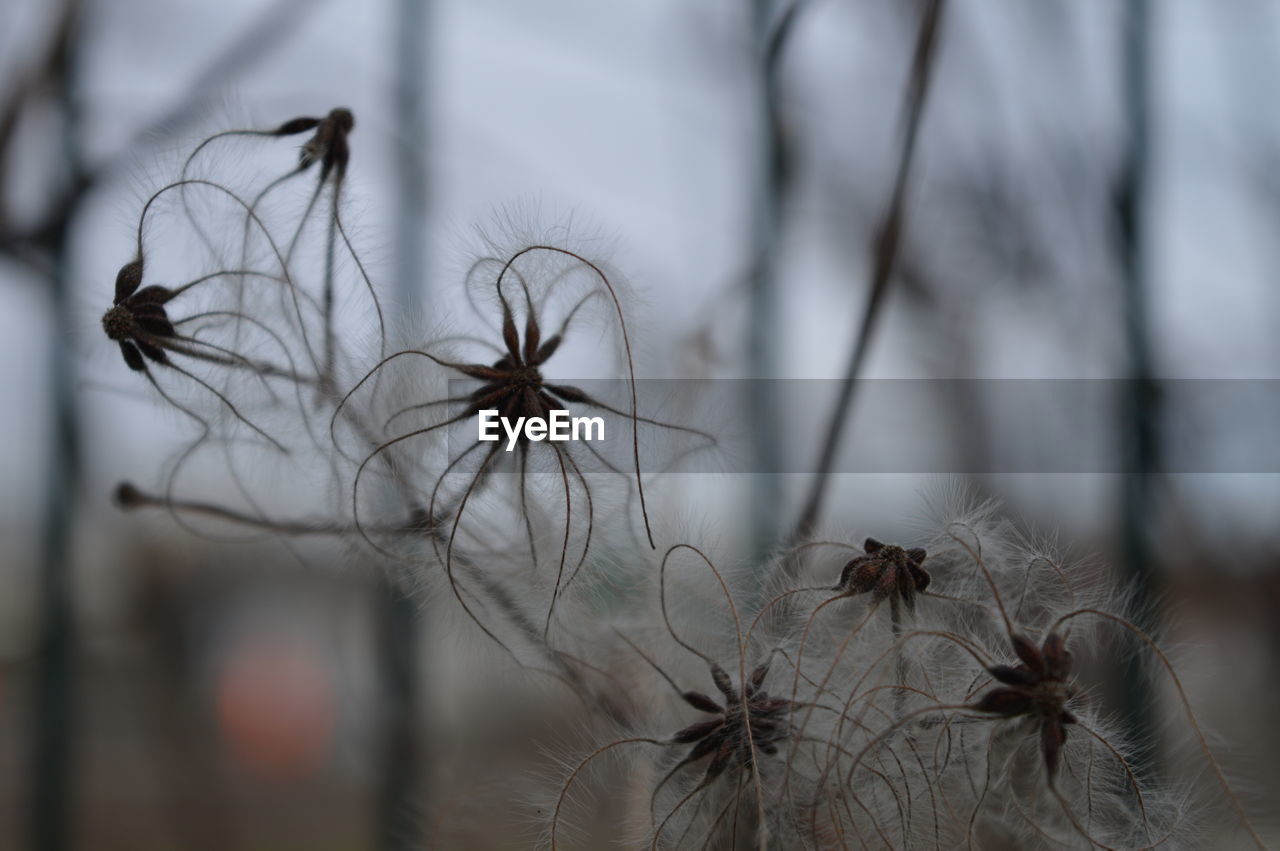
(276, 709)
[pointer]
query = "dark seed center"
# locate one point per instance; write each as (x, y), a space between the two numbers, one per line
(527, 377)
(117, 322)
(892, 553)
(1053, 693)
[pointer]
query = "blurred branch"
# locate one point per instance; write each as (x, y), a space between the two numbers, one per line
(259, 38)
(884, 254)
(778, 35)
(46, 74)
(34, 245)
(772, 182)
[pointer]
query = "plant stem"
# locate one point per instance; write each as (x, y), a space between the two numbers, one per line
(771, 188)
(884, 253)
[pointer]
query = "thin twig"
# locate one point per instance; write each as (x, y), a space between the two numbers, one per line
(885, 252)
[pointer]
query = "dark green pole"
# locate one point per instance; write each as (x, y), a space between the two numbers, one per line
(52, 768)
(1139, 415)
(401, 791)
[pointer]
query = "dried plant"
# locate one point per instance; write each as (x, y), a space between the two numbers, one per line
(246, 344)
(887, 571)
(328, 146)
(923, 695)
(539, 498)
(949, 728)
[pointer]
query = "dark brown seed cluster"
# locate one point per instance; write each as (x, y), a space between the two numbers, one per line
(725, 738)
(137, 319)
(328, 145)
(513, 384)
(886, 571)
(1036, 688)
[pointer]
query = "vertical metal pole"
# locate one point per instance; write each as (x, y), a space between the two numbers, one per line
(51, 806)
(401, 790)
(399, 784)
(1140, 414)
(51, 756)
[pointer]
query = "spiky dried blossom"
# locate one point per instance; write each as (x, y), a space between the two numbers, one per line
(535, 501)
(235, 327)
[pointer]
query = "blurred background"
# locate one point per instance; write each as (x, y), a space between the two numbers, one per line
(1070, 190)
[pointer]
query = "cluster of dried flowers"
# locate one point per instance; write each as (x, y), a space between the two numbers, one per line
(837, 696)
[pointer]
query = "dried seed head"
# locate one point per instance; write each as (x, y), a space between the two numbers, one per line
(726, 738)
(343, 118)
(527, 377)
(116, 322)
(329, 144)
(1037, 687)
(887, 570)
(128, 496)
